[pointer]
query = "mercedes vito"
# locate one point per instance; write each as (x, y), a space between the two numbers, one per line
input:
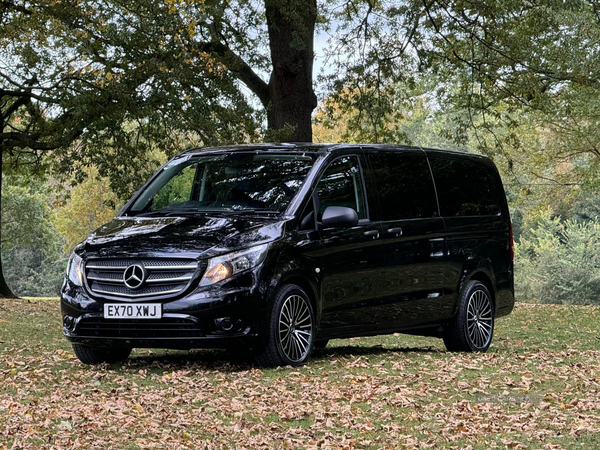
(281, 247)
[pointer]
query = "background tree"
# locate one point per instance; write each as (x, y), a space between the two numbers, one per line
(90, 204)
(494, 61)
(31, 245)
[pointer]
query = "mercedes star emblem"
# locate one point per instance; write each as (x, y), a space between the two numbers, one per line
(134, 276)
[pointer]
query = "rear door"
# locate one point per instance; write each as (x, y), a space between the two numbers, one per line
(477, 234)
(412, 290)
(351, 259)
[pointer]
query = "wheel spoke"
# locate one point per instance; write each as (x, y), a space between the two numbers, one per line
(302, 339)
(297, 347)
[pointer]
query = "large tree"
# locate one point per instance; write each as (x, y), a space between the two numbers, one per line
(100, 82)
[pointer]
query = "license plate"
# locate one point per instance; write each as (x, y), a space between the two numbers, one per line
(134, 311)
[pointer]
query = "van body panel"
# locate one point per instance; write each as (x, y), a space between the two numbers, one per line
(473, 243)
(404, 203)
(400, 268)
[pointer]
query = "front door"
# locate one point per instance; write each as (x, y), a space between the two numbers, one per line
(351, 258)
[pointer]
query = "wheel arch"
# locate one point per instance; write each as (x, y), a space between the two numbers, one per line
(307, 286)
(483, 276)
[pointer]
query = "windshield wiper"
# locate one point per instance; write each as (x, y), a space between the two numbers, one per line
(227, 212)
(172, 212)
(245, 212)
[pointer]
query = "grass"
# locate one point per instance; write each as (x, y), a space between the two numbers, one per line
(538, 387)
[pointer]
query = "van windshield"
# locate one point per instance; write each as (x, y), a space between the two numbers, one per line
(227, 182)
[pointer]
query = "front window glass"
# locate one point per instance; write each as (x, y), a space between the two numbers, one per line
(228, 182)
(341, 185)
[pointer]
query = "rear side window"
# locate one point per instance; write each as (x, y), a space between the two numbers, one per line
(341, 185)
(403, 182)
(465, 188)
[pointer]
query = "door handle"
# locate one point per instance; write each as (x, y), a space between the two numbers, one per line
(396, 231)
(373, 233)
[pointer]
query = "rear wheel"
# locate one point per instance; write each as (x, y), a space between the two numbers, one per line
(290, 333)
(97, 355)
(473, 326)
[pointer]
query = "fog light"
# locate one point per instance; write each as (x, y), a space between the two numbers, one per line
(68, 322)
(224, 323)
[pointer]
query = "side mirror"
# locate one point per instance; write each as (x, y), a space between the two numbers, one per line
(339, 217)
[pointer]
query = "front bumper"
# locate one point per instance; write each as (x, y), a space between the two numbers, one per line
(193, 321)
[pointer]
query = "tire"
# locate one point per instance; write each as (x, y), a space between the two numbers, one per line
(473, 327)
(95, 355)
(290, 329)
(321, 344)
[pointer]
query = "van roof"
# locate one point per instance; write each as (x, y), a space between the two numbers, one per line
(318, 148)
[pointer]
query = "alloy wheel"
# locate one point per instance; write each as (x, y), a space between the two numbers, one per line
(479, 319)
(295, 328)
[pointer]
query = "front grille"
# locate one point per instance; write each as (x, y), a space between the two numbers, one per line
(167, 327)
(163, 277)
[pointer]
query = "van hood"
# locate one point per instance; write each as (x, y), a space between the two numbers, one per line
(199, 236)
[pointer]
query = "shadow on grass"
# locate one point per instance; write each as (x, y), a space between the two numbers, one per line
(241, 359)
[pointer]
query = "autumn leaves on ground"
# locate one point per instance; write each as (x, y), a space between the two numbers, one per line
(538, 387)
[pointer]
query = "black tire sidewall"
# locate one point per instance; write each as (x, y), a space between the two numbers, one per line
(98, 355)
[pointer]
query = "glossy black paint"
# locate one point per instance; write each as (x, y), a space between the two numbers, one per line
(378, 276)
(339, 217)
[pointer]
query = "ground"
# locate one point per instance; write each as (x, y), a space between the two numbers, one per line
(537, 387)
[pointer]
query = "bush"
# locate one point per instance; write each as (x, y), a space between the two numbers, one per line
(33, 262)
(559, 262)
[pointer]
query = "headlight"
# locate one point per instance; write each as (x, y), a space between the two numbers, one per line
(75, 270)
(223, 267)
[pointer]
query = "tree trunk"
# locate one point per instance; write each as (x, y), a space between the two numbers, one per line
(291, 25)
(5, 291)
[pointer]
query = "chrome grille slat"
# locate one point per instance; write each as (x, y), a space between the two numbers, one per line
(107, 280)
(167, 280)
(188, 266)
(180, 267)
(119, 294)
(165, 277)
(105, 267)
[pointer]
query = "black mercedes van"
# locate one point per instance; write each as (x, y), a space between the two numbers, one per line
(281, 247)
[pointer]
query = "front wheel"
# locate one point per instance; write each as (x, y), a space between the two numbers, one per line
(473, 326)
(97, 355)
(290, 329)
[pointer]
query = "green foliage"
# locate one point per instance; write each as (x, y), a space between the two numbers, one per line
(106, 84)
(177, 190)
(559, 262)
(91, 204)
(518, 80)
(31, 247)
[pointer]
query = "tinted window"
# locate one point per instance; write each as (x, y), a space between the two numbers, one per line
(341, 185)
(227, 182)
(465, 188)
(403, 181)
(178, 189)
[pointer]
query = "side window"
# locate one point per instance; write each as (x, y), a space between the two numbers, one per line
(465, 188)
(341, 185)
(403, 182)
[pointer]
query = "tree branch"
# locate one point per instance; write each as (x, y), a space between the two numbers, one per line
(237, 66)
